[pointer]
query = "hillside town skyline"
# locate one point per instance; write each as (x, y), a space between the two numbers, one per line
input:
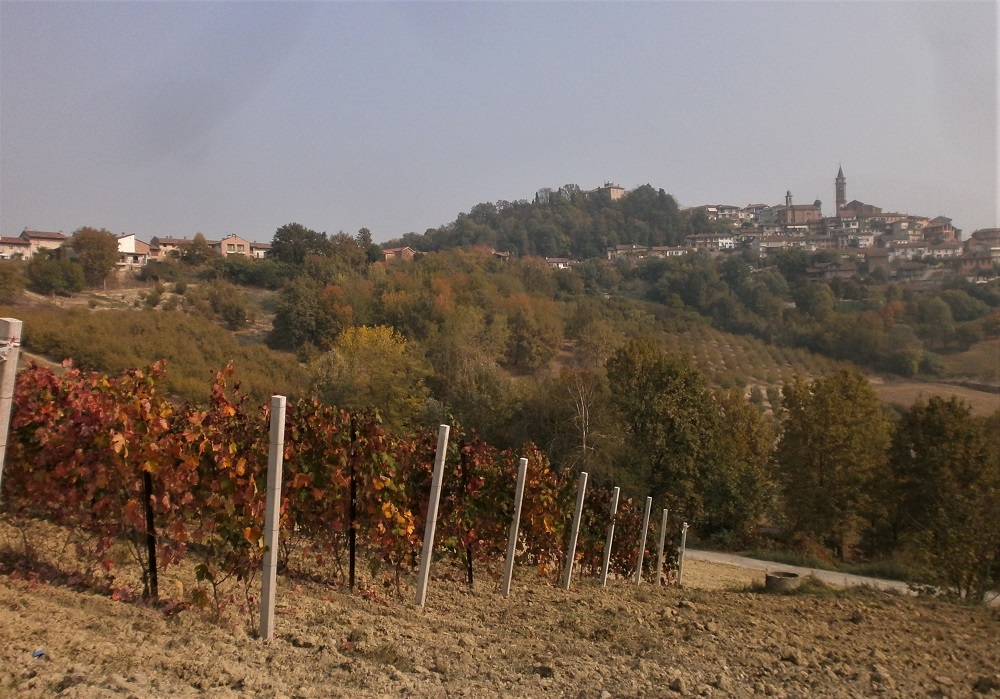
(772, 218)
(897, 243)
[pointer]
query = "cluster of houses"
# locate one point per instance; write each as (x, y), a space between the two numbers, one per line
(895, 242)
(132, 253)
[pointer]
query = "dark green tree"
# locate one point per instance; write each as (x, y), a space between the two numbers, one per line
(309, 313)
(963, 306)
(943, 499)
(96, 251)
(12, 280)
(740, 486)
(373, 253)
(49, 272)
(293, 242)
(670, 420)
(834, 445)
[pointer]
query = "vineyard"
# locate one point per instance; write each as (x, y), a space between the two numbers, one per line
(113, 461)
(742, 360)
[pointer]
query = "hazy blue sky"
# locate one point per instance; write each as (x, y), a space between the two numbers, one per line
(171, 118)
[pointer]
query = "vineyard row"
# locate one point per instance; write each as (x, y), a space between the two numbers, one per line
(114, 460)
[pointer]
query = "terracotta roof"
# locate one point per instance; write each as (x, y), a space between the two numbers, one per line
(157, 241)
(7, 240)
(42, 235)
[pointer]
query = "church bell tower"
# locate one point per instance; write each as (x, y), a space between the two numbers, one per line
(841, 186)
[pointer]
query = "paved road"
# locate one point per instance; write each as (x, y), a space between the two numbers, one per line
(829, 577)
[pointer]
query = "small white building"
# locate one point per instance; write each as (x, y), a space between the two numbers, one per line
(132, 253)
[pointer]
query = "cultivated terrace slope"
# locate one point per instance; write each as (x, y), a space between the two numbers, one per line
(719, 636)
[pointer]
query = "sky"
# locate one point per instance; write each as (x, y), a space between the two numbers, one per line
(171, 118)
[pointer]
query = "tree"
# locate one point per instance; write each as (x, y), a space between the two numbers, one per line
(792, 263)
(309, 313)
(944, 498)
(814, 299)
(198, 251)
(96, 253)
(364, 238)
(963, 306)
(466, 347)
(578, 428)
(535, 331)
(51, 273)
(374, 366)
(670, 419)
(373, 253)
(834, 444)
(347, 252)
(293, 242)
(11, 280)
(740, 487)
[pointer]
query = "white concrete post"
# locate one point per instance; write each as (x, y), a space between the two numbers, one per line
(642, 541)
(610, 537)
(272, 516)
(10, 343)
(663, 541)
(577, 514)
(680, 556)
(432, 510)
(508, 569)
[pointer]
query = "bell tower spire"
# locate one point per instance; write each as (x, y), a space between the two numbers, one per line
(841, 187)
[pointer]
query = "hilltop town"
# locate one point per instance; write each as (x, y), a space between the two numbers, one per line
(900, 244)
(887, 245)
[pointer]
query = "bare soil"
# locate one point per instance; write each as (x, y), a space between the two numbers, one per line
(719, 636)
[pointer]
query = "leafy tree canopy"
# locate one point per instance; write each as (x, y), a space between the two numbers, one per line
(198, 251)
(293, 242)
(374, 367)
(833, 447)
(50, 273)
(671, 418)
(96, 253)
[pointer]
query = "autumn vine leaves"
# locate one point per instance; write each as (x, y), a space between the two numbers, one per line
(114, 460)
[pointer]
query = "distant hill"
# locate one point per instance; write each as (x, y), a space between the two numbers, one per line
(566, 223)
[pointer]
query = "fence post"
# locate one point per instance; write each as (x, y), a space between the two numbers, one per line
(508, 569)
(663, 541)
(430, 526)
(606, 563)
(577, 514)
(642, 541)
(680, 556)
(10, 343)
(272, 510)
(352, 513)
